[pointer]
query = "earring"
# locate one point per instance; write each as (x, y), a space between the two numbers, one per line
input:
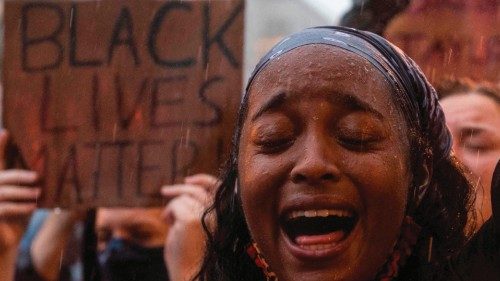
(255, 254)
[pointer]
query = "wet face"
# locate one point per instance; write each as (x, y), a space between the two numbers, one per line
(323, 170)
(140, 226)
(473, 120)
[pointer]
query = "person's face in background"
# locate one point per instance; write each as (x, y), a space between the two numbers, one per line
(474, 122)
(131, 244)
(323, 165)
(141, 226)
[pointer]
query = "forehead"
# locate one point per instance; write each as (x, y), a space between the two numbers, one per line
(470, 107)
(120, 217)
(318, 68)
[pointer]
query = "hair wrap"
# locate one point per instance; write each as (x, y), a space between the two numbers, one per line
(419, 101)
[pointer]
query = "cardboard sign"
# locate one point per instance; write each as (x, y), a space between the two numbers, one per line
(451, 38)
(109, 100)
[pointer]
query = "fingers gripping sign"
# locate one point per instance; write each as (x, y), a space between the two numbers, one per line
(185, 242)
(18, 197)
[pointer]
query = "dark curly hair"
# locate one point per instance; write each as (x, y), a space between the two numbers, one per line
(442, 213)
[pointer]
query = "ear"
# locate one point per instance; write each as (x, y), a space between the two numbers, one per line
(423, 175)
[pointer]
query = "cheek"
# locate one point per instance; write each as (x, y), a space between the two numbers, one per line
(384, 183)
(259, 178)
(481, 164)
(258, 175)
(383, 186)
(484, 168)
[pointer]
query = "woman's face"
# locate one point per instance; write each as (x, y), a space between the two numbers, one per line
(474, 122)
(323, 165)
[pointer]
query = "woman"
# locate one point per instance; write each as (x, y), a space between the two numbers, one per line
(340, 169)
(473, 116)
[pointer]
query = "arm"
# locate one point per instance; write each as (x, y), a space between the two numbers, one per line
(185, 242)
(17, 203)
(50, 243)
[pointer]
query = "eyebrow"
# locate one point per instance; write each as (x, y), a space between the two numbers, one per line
(355, 104)
(468, 132)
(275, 102)
(349, 100)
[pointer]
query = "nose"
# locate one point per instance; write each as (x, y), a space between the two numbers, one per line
(316, 164)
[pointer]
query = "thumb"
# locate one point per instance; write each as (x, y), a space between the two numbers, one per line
(4, 138)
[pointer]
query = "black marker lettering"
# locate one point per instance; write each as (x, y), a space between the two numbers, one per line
(124, 22)
(99, 148)
(157, 103)
(143, 168)
(73, 42)
(125, 119)
(70, 165)
(153, 34)
(216, 109)
(28, 42)
(44, 110)
(218, 38)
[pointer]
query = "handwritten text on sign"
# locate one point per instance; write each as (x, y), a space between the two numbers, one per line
(110, 100)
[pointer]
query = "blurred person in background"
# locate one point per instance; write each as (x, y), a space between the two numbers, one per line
(472, 113)
(131, 243)
(146, 243)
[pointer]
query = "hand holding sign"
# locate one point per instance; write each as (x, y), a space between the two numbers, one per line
(17, 200)
(185, 242)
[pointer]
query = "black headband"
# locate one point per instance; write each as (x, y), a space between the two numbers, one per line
(418, 98)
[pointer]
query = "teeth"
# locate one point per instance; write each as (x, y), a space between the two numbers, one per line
(319, 213)
(323, 213)
(296, 214)
(317, 247)
(310, 214)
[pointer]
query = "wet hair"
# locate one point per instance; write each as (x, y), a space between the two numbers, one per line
(441, 208)
(452, 87)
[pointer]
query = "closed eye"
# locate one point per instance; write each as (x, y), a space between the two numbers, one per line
(359, 132)
(273, 133)
(272, 146)
(360, 143)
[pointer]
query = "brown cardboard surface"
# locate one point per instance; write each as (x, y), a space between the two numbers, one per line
(109, 100)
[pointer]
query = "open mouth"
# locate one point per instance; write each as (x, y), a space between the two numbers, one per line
(319, 230)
